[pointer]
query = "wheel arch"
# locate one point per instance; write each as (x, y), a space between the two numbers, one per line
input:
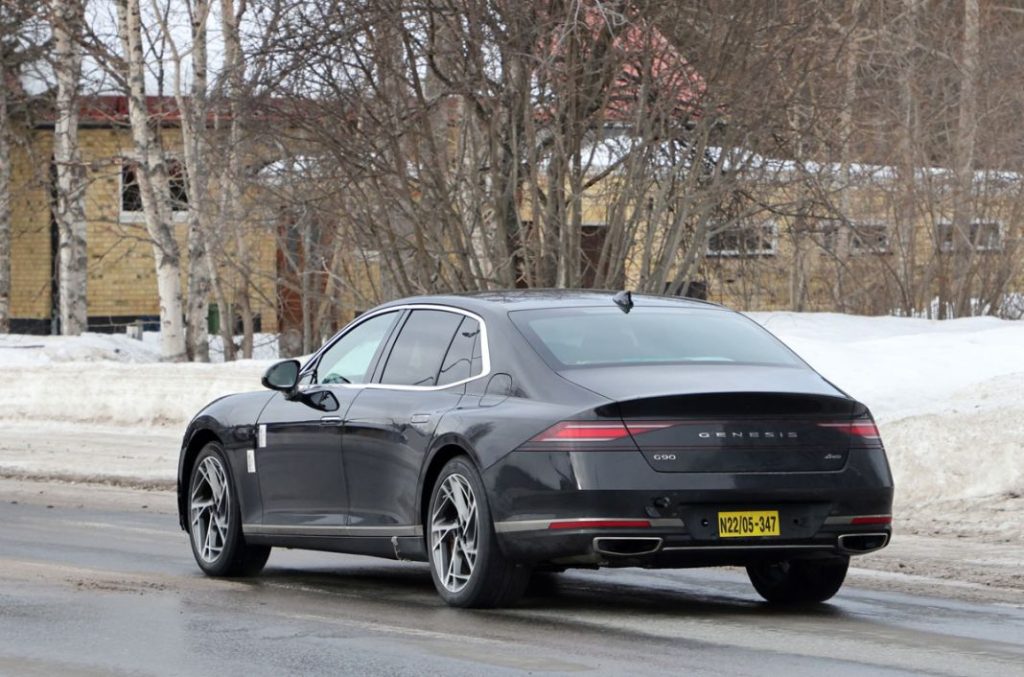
(444, 450)
(199, 439)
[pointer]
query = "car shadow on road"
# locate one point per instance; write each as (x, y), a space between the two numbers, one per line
(568, 593)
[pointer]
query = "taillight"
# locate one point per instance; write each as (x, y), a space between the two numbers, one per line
(864, 429)
(591, 431)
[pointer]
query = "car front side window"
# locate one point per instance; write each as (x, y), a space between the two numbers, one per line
(350, 358)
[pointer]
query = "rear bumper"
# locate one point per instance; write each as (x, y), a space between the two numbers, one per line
(656, 519)
(672, 547)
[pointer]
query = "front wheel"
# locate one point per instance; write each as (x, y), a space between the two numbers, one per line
(799, 581)
(468, 567)
(215, 522)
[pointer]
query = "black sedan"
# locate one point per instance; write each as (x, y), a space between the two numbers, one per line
(496, 434)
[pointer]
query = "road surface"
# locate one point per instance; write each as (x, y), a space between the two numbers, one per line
(98, 581)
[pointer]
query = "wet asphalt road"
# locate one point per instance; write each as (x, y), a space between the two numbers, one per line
(113, 589)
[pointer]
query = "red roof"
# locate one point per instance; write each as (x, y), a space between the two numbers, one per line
(651, 66)
(115, 108)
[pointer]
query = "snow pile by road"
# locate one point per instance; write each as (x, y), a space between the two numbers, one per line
(949, 395)
(19, 350)
(111, 379)
(27, 350)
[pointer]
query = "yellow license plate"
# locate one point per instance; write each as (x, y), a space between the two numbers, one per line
(748, 523)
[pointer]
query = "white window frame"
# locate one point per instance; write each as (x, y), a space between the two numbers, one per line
(866, 251)
(177, 215)
(950, 246)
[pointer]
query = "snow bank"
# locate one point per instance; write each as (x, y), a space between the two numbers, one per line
(112, 379)
(948, 395)
(121, 393)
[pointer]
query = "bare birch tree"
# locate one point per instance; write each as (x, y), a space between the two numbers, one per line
(154, 188)
(66, 18)
(194, 130)
(193, 108)
(232, 175)
(964, 168)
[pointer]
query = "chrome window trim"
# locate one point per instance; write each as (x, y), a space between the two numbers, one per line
(485, 351)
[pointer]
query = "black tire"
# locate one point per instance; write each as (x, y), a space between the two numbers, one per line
(799, 581)
(233, 557)
(494, 581)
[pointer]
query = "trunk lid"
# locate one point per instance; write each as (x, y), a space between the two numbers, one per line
(730, 419)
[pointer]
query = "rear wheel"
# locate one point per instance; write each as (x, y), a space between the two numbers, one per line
(799, 581)
(468, 567)
(215, 523)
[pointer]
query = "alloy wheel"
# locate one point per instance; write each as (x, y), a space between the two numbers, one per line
(209, 508)
(454, 532)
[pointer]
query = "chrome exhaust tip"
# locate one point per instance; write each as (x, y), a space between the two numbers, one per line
(627, 546)
(858, 544)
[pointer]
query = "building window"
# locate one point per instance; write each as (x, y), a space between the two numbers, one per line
(828, 235)
(984, 236)
(870, 238)
(862, 238)
(744, 240)
(131, 195)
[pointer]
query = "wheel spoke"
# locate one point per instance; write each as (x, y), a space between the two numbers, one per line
(453, 532)
(210, 509)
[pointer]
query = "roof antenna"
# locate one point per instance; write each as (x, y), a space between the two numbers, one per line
(624, 300)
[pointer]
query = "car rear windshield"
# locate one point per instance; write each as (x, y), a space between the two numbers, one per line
(585, 337)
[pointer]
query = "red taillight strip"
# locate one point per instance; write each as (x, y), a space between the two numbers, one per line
(865, 429)
(588, 431)
(600, 524)
(872, 519)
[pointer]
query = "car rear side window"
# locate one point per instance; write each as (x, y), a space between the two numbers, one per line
(597, 336)
(462, 362)
(421, 346)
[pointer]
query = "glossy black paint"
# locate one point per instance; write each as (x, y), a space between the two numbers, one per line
(353, 476)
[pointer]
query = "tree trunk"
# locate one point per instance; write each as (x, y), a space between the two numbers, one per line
(5, 207)
(193, 131)
(154, 188)
(234, 64)
(842, 231)
(70, 209)
(966, 134)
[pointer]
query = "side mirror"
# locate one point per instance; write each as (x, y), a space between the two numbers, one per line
(283, 376)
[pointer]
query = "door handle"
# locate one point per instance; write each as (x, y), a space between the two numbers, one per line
(330, 420)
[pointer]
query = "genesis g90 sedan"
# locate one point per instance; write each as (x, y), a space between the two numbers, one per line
(501, 433)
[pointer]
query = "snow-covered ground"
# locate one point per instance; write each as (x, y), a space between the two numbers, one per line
(948, 395)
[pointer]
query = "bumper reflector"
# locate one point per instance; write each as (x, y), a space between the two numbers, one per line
(872, 519)
(600, 524)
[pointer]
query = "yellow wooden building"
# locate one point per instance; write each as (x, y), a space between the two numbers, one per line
(860, 245)
(121, 275)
